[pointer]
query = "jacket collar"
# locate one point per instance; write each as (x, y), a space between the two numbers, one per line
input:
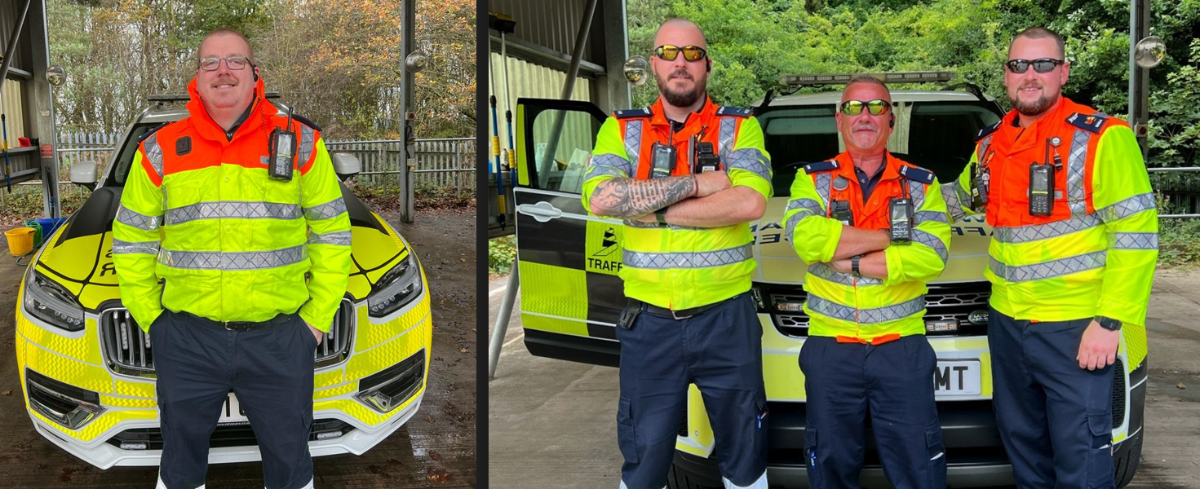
(658, 117)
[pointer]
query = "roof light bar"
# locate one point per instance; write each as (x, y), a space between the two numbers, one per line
(844, 78)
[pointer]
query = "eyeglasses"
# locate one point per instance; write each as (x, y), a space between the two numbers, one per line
(874, 107)
(211, 63)
(690, 53)
(1040, 65)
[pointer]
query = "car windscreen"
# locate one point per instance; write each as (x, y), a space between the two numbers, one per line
(116, 176)
(937, 135)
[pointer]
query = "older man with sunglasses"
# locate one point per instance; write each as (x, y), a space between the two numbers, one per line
(1072, 262)
(873, 230)
(687, 176)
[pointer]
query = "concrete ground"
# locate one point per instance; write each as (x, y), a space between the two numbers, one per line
(552, 423)
(436, 448)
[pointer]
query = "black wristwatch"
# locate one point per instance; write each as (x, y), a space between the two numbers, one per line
(854, 265)
(661, 215)
(1108, 323)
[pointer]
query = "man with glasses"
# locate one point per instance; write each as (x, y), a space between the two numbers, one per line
(687, 176)
(873, 230)
(232, 249)
(1073, 252)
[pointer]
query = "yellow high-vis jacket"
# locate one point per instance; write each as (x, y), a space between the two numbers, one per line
(200, 212)
(1095, 254)
(680, 267)
(866, 308)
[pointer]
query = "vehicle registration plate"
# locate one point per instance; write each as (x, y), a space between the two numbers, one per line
(956, 377)
(232, 412)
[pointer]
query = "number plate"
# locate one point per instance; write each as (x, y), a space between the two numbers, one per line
(956, 377)
(231, 412)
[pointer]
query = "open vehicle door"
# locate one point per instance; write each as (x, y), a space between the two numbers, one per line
(568, 260)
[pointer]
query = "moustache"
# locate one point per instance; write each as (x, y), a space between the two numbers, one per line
(680, 74)
(225, 80)
(864, 125)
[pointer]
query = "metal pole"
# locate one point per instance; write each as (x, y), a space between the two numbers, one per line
(406, 104)
(581, 38)
(1139, 78)
(10, 48)
(501, 328)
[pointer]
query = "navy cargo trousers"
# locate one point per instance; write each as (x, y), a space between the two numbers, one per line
(1055, 418)
(889, 386)
(719, 350)
(270, 369)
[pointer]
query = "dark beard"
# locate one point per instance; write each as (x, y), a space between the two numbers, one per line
(1031, 109)
(685, 99)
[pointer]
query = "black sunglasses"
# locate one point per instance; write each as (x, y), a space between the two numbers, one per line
(1040, 65)
(690, 53)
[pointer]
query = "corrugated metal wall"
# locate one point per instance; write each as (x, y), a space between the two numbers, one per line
(550, 23)
(9, 9)
(525, 80)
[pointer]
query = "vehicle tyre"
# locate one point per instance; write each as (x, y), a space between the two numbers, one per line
(1126, 461)
(680, 478)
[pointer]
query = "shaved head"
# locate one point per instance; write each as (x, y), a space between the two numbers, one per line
(679, 23)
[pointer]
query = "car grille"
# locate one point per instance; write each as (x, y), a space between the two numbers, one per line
(127, 348)
(233, 435)
(1118, 395)
(943, 303)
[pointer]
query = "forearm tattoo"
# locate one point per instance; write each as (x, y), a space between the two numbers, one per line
(626, 197)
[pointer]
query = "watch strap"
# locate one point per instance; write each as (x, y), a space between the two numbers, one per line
(1108, 323)
(661, 216)
(854, 265)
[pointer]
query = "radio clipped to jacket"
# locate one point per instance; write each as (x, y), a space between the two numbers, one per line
(900, 214)
(1041, 182)
(662, 160)
(282, 148)
(706, 158)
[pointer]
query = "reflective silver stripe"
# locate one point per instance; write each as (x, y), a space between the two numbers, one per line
(610, 164)
(130, 217)
(728, 132)
(231, 210)
(824, 184)
(1136, 241)
(1127, 207)
(954, 195)
(866, 316)
(1049, 269)
(700, 259)
(154, 153)
(327, 210)
(827, 272)
(807, 204)
(929, 239)
(1038, 232)
(983, 146)
(792, 222)
(926, 216)
(1075, 165)
(120, 247)
(633, 142)
(917, 190)
(228, 261)
(335, 238)
(639, 224)
(307, 138)
(751, 160)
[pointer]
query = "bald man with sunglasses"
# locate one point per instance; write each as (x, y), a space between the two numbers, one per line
(687, 176)
(873, 230)
(1073, 252)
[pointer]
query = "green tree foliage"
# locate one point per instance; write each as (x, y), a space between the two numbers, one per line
(754, 42)
(336, 61)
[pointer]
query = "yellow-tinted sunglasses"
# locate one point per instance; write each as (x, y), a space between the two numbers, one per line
(690, 53)
(874, 107)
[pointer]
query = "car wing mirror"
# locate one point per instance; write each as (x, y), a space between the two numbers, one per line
(84, 173)
(346, 165)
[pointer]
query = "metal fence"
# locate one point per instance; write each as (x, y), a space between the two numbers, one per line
(1178, 190)
(446, 163)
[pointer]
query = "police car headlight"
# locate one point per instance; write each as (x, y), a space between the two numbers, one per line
(50, 302)
(399, 286)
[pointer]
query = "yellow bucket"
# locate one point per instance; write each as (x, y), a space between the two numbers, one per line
(20, 240)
